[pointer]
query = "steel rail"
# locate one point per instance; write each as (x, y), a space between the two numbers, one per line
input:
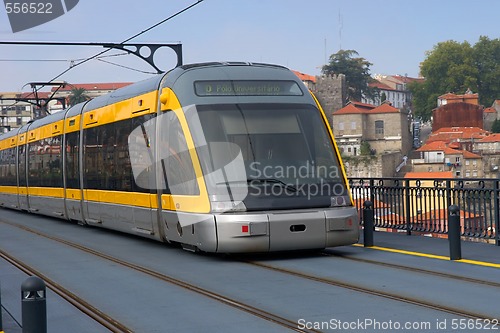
(102, 318)
(263, 314)
(365, 290)
(415, 270)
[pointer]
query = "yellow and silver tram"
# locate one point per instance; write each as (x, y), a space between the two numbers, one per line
(219, 157)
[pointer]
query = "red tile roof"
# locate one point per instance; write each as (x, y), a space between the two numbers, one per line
(468, 154)
(439, 146)
(455, 96)
(490, 110)
(362, 108)
(406, 79)
(40, 94)
(494, 137)
(380, 85)
(449, 134)
(432, 146)
(305, 77)
(385, 108)
(447, 149)
(442, 213)
(348, 109)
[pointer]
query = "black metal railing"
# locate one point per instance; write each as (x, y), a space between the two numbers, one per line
(421, 205)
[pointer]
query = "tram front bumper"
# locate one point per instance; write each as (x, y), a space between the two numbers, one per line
(286, 230)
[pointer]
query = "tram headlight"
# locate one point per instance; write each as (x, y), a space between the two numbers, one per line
(228, 206)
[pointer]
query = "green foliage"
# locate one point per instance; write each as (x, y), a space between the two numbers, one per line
(456, 67)
(383, 97)
(365, 160)
(495, 128)
(77, 95)
(365, 148)
(356, 71)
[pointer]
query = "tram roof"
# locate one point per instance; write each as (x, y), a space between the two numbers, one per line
(124, 93)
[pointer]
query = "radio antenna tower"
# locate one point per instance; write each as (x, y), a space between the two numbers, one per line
(341, 25)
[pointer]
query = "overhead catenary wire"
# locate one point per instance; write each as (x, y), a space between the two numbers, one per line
(126, 67)
(123, 42)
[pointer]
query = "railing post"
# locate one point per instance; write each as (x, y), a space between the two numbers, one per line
(407, 205)
(454, 232)
(33, 304)
(368, 223)
(372, 190)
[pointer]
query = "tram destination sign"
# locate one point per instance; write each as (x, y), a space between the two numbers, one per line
(247, 88)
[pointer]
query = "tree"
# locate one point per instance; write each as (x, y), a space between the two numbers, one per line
(78, 95)
(383, 97)
(356, 71)
(365, 148)
(456, 67)
(495, 128)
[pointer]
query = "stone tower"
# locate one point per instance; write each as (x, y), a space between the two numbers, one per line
(331, 92)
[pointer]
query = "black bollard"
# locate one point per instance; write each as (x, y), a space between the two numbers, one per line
(368, 223)
(454, 232)
(34, 307)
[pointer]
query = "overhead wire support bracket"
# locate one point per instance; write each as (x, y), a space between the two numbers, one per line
(152, 48)
(134, 49)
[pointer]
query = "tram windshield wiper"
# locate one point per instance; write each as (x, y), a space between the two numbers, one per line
(273, 181)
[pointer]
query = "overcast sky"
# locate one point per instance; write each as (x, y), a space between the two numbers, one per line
(394, 35)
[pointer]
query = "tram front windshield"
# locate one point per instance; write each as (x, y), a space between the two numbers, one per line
(275, 155)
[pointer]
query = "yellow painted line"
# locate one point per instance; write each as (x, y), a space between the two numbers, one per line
(480, 263)
(433, 256)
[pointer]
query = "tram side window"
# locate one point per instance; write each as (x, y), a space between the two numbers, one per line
(93, 167)
(145, 182)
(35, 163)
(181, 177)
(123, 168)
(54, 176)
(22, 165)
(44, 162)
(72, 161)
(108, 147)
(8, 167)
(106, 156)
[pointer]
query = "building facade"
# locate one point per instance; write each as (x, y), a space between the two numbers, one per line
(383, 128)
(457, 110)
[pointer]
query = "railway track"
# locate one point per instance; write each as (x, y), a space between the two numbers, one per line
(114, 325)
(386, 294)
(413, 269)
(108, 322)
(280, 320)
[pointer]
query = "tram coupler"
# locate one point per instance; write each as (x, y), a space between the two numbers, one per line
(368, 223)
(454, 232)
(34, 306)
